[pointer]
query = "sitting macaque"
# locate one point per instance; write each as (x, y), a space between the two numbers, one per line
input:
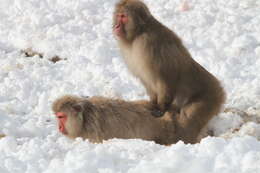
(157, 56)
(100, 118)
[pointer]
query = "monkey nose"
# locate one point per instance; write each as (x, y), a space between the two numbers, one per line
(62, 129)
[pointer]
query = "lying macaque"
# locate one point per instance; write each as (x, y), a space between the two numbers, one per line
(100, 118)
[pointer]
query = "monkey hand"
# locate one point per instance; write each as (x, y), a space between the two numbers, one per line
(157, 113)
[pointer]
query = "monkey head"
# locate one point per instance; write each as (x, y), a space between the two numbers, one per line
(69, 113)
(130, 19)
(68, 118)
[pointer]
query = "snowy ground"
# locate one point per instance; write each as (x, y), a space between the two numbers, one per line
(223, 36)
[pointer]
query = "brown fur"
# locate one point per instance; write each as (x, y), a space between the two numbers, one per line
(105, 118)
(172, 78)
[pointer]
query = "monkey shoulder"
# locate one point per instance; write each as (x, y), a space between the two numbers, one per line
(110, 102)
(140, 106)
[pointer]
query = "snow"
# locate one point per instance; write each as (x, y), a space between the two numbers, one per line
(223, 36)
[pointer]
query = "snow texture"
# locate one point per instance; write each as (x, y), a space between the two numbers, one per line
(223, 36)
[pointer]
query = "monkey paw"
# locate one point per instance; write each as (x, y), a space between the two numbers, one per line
(157, 113)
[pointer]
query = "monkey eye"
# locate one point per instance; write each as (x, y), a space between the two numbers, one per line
(60, 115)
(77, 107)
(121, 15)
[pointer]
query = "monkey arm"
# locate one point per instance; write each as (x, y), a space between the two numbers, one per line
(165, 96)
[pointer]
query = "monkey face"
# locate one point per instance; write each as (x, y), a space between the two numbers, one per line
(123, 24)
(130, 19)
(121, 20)
(62, 118)
(70, 120)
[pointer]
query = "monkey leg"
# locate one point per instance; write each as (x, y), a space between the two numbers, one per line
(193, 117)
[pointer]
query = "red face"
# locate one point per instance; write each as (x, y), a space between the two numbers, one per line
(62, 118)
(121, 20)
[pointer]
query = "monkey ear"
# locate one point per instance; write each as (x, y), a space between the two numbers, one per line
(82, 106)
(141, 14)
(77, 107)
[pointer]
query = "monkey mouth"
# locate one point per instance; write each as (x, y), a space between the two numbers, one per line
(117, 29)
(118, 26)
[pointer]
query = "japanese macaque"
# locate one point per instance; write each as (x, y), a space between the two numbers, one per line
(157, 56)
(99, 118)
